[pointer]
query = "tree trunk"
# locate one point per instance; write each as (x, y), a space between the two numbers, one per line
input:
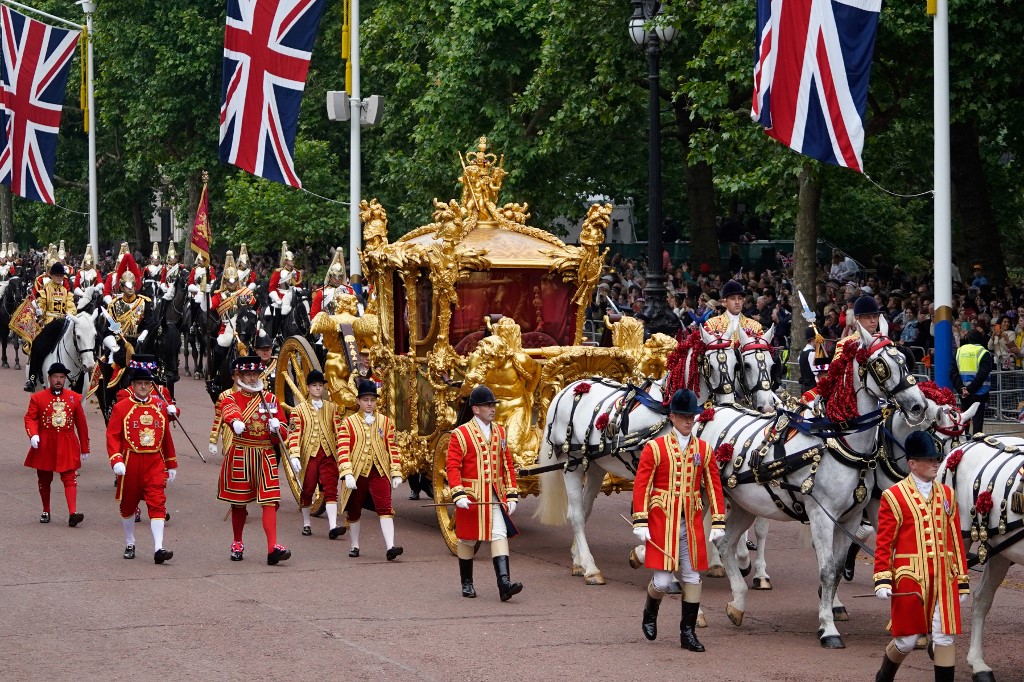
(805, 251)
(140, 224)
(973, 204)
(700, 194)
(6, 215)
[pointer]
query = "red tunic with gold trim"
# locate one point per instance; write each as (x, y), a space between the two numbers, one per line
(919, 552)
(250, 469)
(55, 419)
(138, 434)
(667, 492)
(483, 471)
(720, 325)
(160, 395)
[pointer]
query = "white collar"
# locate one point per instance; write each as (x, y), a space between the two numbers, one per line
(923, 487)
(317, 403)
(368, 417)
(684, 441)
(484, 428)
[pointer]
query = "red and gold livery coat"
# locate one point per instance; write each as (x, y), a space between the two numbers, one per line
(667, 492)
(59, 421)
(140, 428)
(160, 395)
(249, 472)
(482, 470)
(312, 431)
(363, 447)
(720, 325)
(919, 553)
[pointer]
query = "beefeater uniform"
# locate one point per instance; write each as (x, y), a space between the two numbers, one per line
(138, 435)
(667, 499)
(482, 470)
(314, 437)
(58, 418)
(368, 452)
(919, 553)
(250, 469)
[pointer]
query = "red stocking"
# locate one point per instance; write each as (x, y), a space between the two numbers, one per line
(69, 479)
(270, 525)
(238, 514)
(45, 478)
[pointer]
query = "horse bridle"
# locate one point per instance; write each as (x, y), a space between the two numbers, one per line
(725, 385)
(881, 373)
(764, 380)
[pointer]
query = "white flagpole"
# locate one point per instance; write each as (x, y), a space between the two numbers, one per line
(943, 316)
(94, 204)
(355, 238)
(44, 14)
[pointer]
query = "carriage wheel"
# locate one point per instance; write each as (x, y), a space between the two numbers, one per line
(442, 494)
(294, 362)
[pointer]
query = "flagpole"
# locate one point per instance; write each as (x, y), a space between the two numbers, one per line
(943, 315)
(46, 14)
(94, 205)
(355, 231)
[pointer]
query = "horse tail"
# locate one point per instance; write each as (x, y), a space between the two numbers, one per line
(553, 509)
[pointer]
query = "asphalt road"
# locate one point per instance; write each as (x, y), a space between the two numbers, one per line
(74, 609)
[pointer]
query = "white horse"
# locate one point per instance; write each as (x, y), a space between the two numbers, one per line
(808, 477)
(992, 464)
(601, 429)
(76, 347)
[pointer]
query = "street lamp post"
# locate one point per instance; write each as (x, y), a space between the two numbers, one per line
(649, 28)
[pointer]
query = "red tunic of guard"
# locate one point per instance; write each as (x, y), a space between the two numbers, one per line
(160, 395)
(138, 435)
(919, 555)
(667, 492)
(484, 471)
(250, 469)
(56, 419)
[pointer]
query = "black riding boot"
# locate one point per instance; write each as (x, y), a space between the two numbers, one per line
(30, 385)
(687, 627)
(649, 624)
(466, 572)
(890, 664)
(506, 588)
(851, 562)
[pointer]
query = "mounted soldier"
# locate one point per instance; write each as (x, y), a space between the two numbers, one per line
(52, 302)
(42, 278)
(110, 284)
(6, 269)
(334, 285)
(173, 274)
(132, 312)
(229, 300)
(153, 274)
(88, 280)
(200, 281)
(246, 275)
(280, 288)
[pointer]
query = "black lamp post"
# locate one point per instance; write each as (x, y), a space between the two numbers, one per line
(650, 27)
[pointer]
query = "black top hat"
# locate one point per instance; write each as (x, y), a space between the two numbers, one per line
(247, 363)
(481, 395)
(732, 288)
(315, 377)
(920, 445)
(58, 368)
(141, 374)
(865, 305)
(57, 269)
(366, 387)
(263, 340)
(684, 401)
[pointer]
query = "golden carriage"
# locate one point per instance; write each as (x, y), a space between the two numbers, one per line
(476, 296)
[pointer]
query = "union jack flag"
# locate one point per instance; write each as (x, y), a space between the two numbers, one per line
(812, 62)
(33, 77)
(267, 45)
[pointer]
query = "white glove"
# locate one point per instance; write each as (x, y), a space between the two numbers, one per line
(396, 481)
(168, 295)
(296, 464)
(350, 482)
(107, 299)
(963, 598)
(110, 343)
(193, 288)
(883, 593)
(716, 534)
(238, 426)
(34, 440)
(172, 410)
(143, 335)
(511, 507)
(119, 469)
(462, 502)
(171, 475)
(642, 533)
(274, 424)
(85, 456)
(251, 286)
(213, 448)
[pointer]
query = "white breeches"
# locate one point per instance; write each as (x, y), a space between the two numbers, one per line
(663, 579)
(224, 340)
(498, 530)
(282, 300)
(939, 638)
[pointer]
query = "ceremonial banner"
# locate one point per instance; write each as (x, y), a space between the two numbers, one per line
(23, 321)
(33, 78)
(267, 46)
(200, 240)
(812, 63)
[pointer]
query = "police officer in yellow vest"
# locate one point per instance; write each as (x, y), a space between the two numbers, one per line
(970, 376)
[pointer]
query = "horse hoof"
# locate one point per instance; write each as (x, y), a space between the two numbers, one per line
(839, 613)
(832, 642)
(17, 365)
(746, 571)
(5, 365)
(762, 583)
(716, 572)
(983, 676)
(702, 622)
(735, 615)
(596, 579)
(577, 571)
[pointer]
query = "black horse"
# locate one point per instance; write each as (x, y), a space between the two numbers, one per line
(246, 326)
(199, 328)
(14, 294)
(295, 323)
(167, 344)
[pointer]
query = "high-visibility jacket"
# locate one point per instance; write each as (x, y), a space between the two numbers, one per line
(968, 359)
